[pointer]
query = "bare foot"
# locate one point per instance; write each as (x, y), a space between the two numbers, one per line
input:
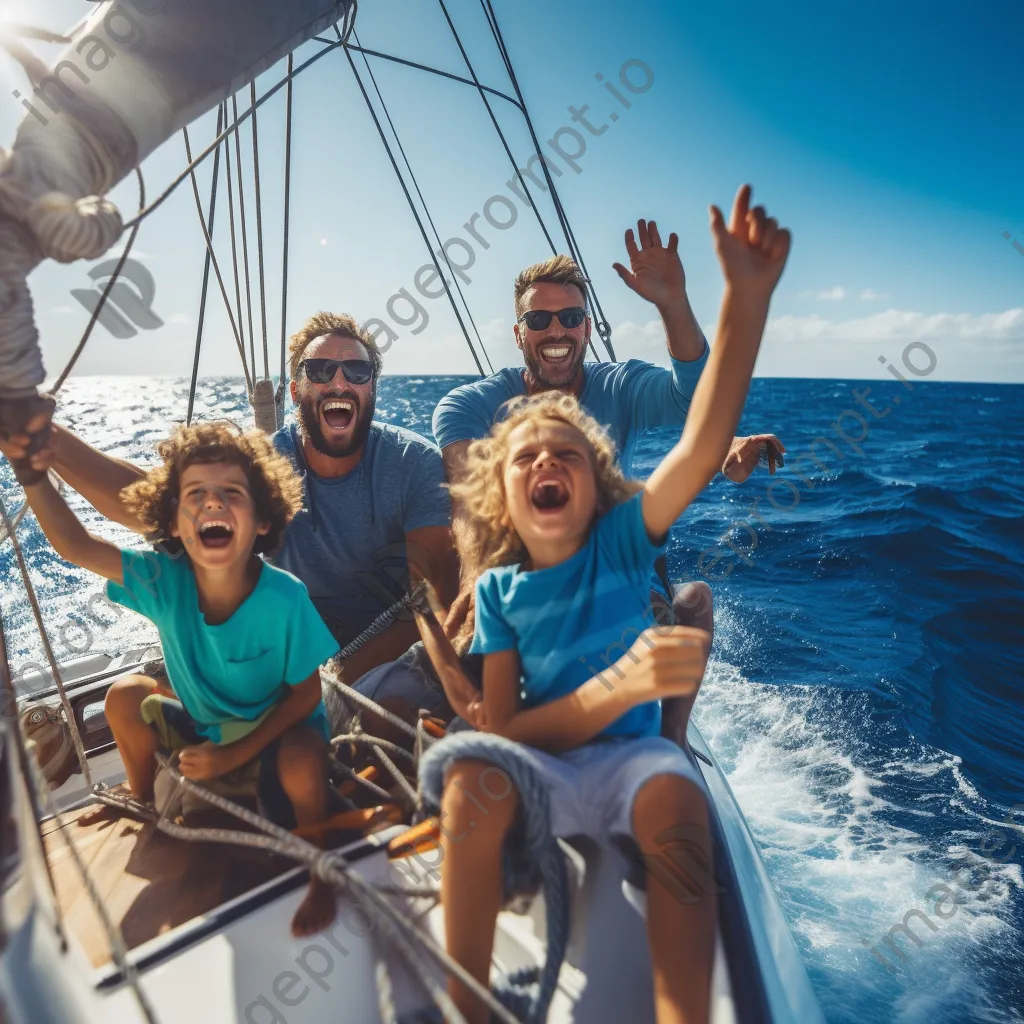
(316, 911)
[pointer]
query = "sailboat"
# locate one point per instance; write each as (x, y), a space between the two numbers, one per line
(182, 914)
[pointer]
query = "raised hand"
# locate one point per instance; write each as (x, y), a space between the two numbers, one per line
(752, 248)
(657, 272)
(746, 453)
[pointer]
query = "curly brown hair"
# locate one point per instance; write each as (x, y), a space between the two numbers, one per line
(322, 323)
(275, 486)
(489, 538)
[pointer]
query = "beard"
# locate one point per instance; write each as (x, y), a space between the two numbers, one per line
(309, 419)
(551, 377)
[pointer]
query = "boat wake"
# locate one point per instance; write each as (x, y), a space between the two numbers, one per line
(840, 825)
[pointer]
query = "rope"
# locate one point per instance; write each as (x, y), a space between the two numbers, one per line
(332, 867)
(213, 258)
(221, 113)
(426, 210)
(531, 854)
(38, 615)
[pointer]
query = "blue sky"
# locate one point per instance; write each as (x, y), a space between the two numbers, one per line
(888, 140)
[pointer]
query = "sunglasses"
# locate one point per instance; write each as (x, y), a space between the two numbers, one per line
(322, 371)
(538, 319)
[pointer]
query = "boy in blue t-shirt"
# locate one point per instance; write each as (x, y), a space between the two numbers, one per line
(563, 546)
(242, 641)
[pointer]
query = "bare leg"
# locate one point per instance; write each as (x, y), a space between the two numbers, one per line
(691, 606)
(136, 741)
(302, 769)
(471, 878)
(670, 822)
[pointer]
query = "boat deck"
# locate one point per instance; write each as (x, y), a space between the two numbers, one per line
(148, 881)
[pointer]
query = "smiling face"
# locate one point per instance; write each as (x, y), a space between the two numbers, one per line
(550, 488)
(216, 516)
(553, 356)
(335, 416)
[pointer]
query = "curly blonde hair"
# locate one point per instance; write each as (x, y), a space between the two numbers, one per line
(275, 486)
(322, 323)
(491, 539)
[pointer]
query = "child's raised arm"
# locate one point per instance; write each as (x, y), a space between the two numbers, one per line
(752, 250)
(69, 537)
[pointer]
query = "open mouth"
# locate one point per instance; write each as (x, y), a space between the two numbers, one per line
(215, 533)
(560, 352)
(549, 495)
(338, 413)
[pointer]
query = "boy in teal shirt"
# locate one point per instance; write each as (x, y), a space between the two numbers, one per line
(242, 641)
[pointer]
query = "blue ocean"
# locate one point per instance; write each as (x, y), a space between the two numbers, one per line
(865, 693)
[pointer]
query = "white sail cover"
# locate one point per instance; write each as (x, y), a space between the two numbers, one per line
(135, 72)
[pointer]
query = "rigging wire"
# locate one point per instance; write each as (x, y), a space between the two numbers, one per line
(145, 211)
(603, 328)
(427, 68)
(426, 210)
(415, 212)
(287, 224)
(508, 152)
(259, 230)
(216, 265)
(245, 240)
(234, 243)
(221, 113)
(86, 334)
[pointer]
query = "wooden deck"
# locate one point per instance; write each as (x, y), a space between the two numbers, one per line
(149, 882)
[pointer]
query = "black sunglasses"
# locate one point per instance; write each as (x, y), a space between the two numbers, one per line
(538, 319)
(322, 371)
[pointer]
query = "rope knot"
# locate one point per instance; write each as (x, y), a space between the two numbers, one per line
(73, 229)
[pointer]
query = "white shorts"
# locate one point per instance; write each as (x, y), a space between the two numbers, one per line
(593, 788)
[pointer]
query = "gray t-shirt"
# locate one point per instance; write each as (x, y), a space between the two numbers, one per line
(347, 544)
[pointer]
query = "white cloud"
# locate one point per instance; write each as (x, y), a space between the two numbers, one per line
(833, 294)
(65, 309)
(870, 295)
(967, 346)
(179, 318)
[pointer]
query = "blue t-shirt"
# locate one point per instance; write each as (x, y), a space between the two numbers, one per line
(574, 620)
(626, 398)
(347, 544)
(238, 669)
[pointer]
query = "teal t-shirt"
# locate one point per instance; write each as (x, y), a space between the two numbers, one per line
(238, 669)
(576, 619)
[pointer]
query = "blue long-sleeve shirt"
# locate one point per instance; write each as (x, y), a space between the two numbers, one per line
(626, 398)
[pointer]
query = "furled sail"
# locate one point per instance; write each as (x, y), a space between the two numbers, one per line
(133, 73)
